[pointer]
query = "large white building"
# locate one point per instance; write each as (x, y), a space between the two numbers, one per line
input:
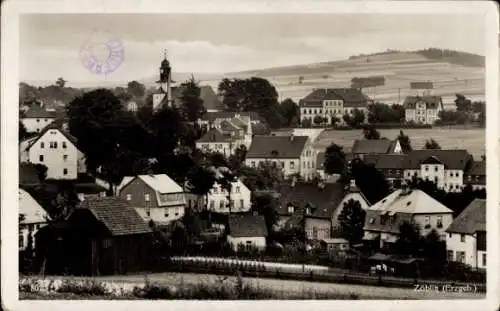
(423, 109)
(466, 236)
(33, 217)
(293, 154)
(57, 150)
(384, 218)
(333, 103)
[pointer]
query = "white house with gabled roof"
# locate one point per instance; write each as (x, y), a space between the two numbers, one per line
(32, 217)
(58, 150)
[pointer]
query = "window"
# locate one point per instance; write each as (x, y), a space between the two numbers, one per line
(315, 233)
(65, 171)
(462, 238)
(106, 243)
(426, 168)
(221, 204)
(146, 197)
(64, 145)
(65, 157)
(292, 165)
(40, 158)
(42, 145)
(237, 189)
(176, 212)
(37, 120)
(456, 174)
(282, 164)
(436, 179)
(242, 204)
(449, 235)
(129, 197)
(166, 212)
(248, 246)
(440, 221)
(148, 213)
(53, 144)
(449, 255)
(435, 168)
(252, 163)
(484, 259)
(451, 174)
(212, 204)
(461, 256)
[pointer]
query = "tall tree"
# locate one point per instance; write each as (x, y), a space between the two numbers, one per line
(335, 160)
(352, 221)
(136, 89)
(409, 241)
(463, 103)
(23, 132)
(431, 144)
(200, 181)
(434, 251)
(405, 142)
(289, 110)
(371, 132)
(267, 206)
(370, 181)
(191, 107)
(61, 82)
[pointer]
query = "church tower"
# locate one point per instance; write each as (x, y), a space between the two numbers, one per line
(164, 95)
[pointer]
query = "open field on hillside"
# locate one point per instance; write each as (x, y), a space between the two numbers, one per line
(399, 69)
(473, 140)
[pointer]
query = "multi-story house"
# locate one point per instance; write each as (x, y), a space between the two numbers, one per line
(217, 198)
(475, 175)
(32, 218)
(423, 109)
(155, 197)
(384, 218)
(319, 204)
(293, 154)
(363, 147)
(333, 103)
(466, 236)
(226, 136)
(36, 118)
(391, 165)
(58, 150)
(444, 167)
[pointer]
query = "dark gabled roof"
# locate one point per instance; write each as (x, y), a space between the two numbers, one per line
(210, 99)
(212, 116)
(116, 214)
(247, 225)
(477, 168)
(28, 174)
(431, 101)
(37, 112)
(350, 96)
(277, 146)
(471, 220)
(386, 161)
(55, 126)
(452, 159)
(323, 200)
(214, 135)
(367, 146)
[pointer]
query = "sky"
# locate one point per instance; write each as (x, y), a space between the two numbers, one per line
(50, 44)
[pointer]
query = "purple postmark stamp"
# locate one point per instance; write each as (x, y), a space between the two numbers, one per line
(102, 56)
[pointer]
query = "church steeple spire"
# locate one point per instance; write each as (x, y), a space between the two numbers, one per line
(164, 83)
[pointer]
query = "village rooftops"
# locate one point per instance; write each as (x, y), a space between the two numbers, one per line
(279, 147)
(214, 115)
(160, 183)
(215, 135)
(351, 97)
(37, 112)
(451, 159)
(377, 146)
(117, 215)
(432, 102)
(471, 220)
(247, 225)
(322, 199)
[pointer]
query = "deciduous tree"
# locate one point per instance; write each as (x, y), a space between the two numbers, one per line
(405, 142)
(352, 221)
(431, 144)
(335, 161)
(136, 89)
(191, 107)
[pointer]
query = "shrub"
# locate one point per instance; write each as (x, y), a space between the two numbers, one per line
(86, 287)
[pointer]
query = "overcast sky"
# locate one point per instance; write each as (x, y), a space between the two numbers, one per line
(202, 43)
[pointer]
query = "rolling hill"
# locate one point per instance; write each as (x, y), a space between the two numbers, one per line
(451, 72)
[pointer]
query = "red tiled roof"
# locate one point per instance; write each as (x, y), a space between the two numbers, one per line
(277, 146)
(116, 214)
